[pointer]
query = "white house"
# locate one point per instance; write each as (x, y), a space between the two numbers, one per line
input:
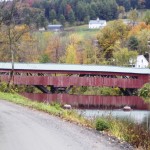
(97, 24)
(141, 62)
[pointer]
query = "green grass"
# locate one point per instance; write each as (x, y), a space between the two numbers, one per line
(15, 98)
(83, 31)
(53, 108)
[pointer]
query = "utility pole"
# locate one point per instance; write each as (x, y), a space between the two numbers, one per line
(148, 44)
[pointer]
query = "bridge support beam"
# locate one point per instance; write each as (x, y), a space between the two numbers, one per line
(128, 92)
(60, 89)
(53, 90)
(42, 88)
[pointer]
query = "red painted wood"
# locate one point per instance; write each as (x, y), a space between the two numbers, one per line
(64, 81)
(91, 101)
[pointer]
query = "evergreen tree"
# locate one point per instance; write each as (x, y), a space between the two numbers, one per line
(71, 17)
(52, 15)
(133, 43)
(62, 19)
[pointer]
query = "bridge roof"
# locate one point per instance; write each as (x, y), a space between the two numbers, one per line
(73, 68)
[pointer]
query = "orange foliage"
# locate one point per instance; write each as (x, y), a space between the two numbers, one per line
(136, 29)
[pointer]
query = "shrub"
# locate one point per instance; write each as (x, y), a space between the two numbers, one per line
(3, 87)
(145, 92)
(102, 124)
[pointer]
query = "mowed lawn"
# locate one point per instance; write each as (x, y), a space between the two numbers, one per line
(83, 30)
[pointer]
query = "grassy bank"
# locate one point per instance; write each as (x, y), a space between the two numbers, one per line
(53, 108)
(125, 130)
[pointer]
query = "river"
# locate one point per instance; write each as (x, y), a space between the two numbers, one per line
(138, 116)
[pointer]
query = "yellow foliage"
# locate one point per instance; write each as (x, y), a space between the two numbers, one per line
(71, 54)
(75, 38)
(53, 48)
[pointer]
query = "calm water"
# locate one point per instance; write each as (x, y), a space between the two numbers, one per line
(136, 115)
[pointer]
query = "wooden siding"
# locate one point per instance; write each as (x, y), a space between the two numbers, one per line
(90, 101)
(64, 81)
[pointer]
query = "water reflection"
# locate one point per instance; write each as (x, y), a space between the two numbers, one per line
(142, 117)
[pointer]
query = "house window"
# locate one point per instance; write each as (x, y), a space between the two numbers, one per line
(142, 60)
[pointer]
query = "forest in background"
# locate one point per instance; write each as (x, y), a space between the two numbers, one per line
(81, 11)
(116, 44)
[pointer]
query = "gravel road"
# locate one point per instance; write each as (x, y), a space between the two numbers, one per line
(24, 129)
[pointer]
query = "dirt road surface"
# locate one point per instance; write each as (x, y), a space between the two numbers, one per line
(24, 129)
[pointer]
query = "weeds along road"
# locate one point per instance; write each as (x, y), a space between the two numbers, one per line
(25, 129)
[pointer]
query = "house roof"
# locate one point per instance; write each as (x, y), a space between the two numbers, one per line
(71, 67)
(97, 22)
(54, 25)
(141, 57)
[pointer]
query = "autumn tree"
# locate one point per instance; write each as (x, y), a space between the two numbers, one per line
(112, 33)
(141, 32)
(124, 57)
(71, 54)
(121, 11)
(11, 32)
(53, 48)
(133, 16)
(73, 49)
(27, 50)
(146, 18)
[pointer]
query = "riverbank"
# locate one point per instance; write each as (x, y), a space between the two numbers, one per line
(115, 127)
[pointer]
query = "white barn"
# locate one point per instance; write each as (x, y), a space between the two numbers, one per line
(141, 62)
(97, 24)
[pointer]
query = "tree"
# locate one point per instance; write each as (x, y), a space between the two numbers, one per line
(121, 11)
(112, 33)
(134, 4)
(71, 17)
(147, 4)
(62, 19)
(52, 15)
(53, 48)
(11, 32)
(71, 54)
(124, 57)
(141, 32)
(133, 16)
(125, 4)
(44, 58)
(91, 53)
(133, 43)
(147, 17)
(145, 92)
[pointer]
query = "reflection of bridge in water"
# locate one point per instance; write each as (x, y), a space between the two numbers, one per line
(55, 81)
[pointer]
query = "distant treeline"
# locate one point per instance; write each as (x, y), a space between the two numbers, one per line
(83, 10)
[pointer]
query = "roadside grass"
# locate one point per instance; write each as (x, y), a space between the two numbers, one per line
(123, 129)
(126, 130)
(53, 108)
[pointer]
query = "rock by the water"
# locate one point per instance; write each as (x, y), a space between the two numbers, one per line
(67, 106)
(126, 108)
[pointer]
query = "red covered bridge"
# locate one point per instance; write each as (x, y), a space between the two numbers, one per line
(60, 78)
